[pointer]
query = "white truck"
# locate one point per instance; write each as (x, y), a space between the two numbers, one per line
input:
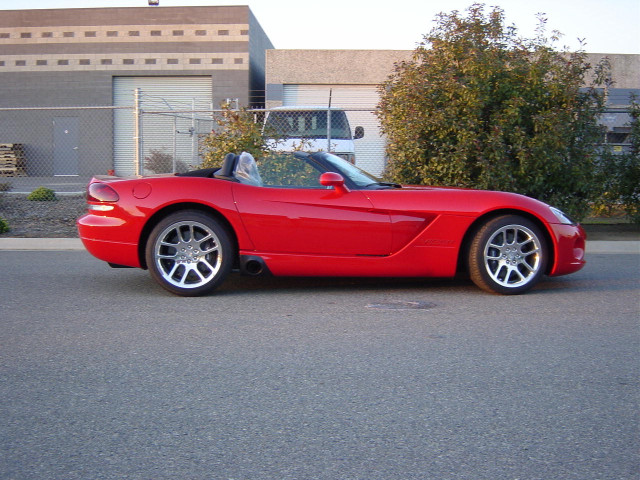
(311, 129)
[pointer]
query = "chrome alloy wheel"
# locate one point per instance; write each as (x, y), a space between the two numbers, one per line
(188, 254)
(512, 256)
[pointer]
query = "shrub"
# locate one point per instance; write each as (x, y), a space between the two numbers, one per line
(237, 131)
(479, 106)
(161, 162)
(42, 194)
(4, 226)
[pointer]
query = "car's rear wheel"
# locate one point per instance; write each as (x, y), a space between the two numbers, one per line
(508, 255)
(189, 253)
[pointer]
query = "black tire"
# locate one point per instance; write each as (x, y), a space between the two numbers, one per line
(508, 255)
(189, 253)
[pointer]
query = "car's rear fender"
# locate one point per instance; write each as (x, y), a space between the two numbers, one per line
(175, 207)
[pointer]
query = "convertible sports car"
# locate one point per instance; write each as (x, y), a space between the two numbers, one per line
(301, 214)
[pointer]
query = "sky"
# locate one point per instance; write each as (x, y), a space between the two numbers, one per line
(606, 26)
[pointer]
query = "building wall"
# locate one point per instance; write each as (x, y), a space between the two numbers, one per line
(625, 68)
(69, 57)
(136, 41)
(372, 67)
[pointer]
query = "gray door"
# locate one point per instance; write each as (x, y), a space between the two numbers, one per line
(65, 146)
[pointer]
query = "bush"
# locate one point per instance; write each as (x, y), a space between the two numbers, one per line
(237, 131)
(478, 106)
(42, 194)
(161, 162)
(4, 226)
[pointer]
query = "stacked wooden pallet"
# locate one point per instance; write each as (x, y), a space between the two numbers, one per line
(12, 160)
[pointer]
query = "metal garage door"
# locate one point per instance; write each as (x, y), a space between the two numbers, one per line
(359, 101)
(171, 129)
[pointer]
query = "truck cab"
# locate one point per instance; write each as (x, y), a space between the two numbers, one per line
(311, 129)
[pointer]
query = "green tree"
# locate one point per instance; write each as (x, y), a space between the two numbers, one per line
(237, 131)
(478, 106)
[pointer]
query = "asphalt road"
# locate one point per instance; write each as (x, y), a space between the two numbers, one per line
(103, 375)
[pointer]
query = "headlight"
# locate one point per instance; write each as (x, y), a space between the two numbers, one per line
(562, 217)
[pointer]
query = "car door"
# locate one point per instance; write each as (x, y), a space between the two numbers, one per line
(293, 214)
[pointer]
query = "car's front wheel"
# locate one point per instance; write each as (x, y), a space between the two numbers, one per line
(508, 255)
(189, 253)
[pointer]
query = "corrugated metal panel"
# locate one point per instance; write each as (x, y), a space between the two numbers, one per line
(370, 150)
(168, 124)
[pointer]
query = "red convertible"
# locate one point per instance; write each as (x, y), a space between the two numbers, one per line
(301, 214)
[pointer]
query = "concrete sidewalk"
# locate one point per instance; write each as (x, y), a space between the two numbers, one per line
(61, 244)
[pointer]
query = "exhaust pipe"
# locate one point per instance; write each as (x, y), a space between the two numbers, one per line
(253, 266)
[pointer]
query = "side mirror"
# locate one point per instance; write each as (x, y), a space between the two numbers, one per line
(335, 180)
(359, 133)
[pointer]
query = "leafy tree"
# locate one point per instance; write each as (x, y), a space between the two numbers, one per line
(478, 106)
(237, 131)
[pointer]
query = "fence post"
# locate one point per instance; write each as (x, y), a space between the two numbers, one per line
(136, 133)
(329, 122)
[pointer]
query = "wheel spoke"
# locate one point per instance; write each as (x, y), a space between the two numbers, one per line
(172, 272)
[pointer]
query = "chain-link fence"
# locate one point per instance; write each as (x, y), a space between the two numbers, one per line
(56, 147)
(61, 148)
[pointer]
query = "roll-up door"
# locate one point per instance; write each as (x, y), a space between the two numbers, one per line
(170, 122)
(359, 101)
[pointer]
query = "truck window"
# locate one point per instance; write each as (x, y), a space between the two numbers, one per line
(308, 124)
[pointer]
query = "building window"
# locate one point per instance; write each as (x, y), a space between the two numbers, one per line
(195, 61)
(223, 32)
(68, 34)
(172, 61)
(244, 32)
(21, 63)
(41, 62)
(238, 61)
(25, 35)
(63, 62)
(89, 34)
(178, 33)
(216, 61)
(47, 35)
(128, 61)
(201, 33)
(149, 61)
(106, 61)
(4, 35)
(85, 61)
(1, 63)
(156, 33)
(112, 33)
(134, 33)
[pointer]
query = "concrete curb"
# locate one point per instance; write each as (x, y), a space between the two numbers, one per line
(15, 243)
(611, 246)
(62, 244)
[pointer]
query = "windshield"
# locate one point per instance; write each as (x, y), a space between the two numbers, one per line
(357, 176)
(308, 124)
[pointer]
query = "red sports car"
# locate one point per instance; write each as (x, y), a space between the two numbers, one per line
(301, 214)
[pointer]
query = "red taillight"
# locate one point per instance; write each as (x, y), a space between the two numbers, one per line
(100, 192)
